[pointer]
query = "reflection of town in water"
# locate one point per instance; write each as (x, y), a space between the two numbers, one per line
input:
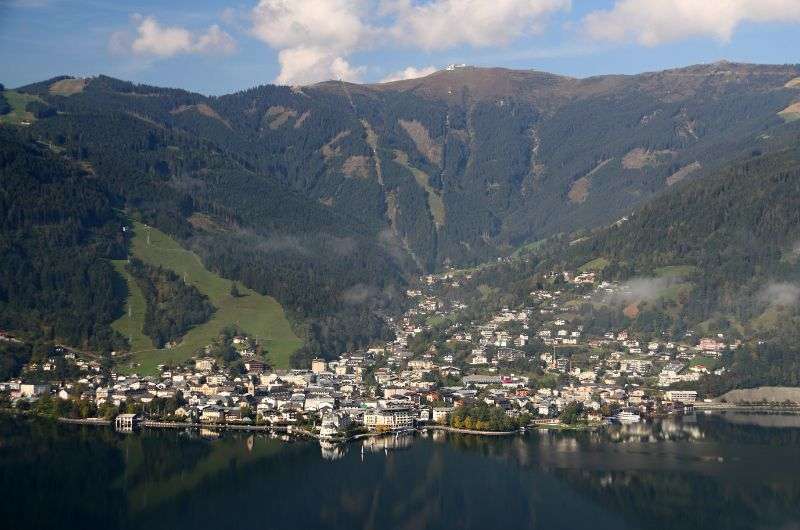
(700, 471)
(684, 428)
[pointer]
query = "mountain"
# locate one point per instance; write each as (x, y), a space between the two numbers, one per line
(733, 236)
(714, 255)
(58, 231)
(329, 196)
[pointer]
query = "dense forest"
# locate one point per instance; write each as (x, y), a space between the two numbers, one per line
(57, 231)
(173, 307)
(5, 108)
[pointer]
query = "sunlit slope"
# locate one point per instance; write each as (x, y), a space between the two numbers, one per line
(259, 316)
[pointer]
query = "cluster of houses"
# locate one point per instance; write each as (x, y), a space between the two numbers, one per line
(391, 387)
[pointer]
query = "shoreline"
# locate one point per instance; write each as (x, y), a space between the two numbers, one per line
(722, 407)
(293, 430)
(300, 432)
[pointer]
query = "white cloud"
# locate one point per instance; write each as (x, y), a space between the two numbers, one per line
(155, 40)
(162, 41)
(292, 23)
(314, 37)
(409, 73)
(215, 40)
(302, 65)
(654, 22)
(441, 24)
(780, 294)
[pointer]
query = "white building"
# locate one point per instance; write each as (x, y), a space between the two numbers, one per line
(687, 397)
(389, 418)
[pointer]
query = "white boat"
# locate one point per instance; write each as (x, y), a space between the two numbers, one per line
(626, 416)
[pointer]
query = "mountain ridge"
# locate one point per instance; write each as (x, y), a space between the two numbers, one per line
(334, 193)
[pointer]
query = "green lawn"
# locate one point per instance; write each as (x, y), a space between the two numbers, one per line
(18, 101)
(435, 202)
(595, 265)
(709, 362)
(257, 315)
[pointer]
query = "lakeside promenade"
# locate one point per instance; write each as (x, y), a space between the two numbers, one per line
(283, 429)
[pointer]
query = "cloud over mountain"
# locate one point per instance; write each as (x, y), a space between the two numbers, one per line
(318, 40)
(442, 24)
(155, 40)
(314, 38)
(410, 72)
(651, 23)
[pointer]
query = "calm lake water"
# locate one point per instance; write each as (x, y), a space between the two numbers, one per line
(706, 471)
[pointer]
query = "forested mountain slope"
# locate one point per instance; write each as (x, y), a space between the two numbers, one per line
(715, 255)
(57, 231)
(328, 196)
(451, 168)
(735, 235)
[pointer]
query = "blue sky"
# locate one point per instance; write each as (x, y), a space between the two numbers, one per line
(221, 46)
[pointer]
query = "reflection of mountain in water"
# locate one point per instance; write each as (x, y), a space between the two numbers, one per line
(703, 473)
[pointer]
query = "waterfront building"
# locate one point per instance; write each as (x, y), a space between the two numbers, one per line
(125, 422)
(394, 417)
(686, 397)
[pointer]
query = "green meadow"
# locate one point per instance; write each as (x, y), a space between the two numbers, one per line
(17, 101)
(257, 315)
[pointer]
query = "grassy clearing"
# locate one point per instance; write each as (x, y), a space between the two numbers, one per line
(709, 362)
(771, 319)
(131, 323)
(791, 113)
(672, 271)
(486, 291)
(68, 87)
(708, 327)
(672, 292)
(18, 101)
(595, 265)
(259, 316)
(435, 202)
(529, 248)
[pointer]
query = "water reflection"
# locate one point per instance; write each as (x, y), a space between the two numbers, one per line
(720, 471)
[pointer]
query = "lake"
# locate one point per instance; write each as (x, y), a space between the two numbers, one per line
(704, 471)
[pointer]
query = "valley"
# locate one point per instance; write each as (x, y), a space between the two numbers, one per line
(323, 204)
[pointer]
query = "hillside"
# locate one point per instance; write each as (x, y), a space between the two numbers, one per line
(733, 235)
(508, 156)
(720, 255)
(329, 197)
(257, 315)
(58, 231)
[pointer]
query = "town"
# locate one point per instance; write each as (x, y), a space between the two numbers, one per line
(513, 369)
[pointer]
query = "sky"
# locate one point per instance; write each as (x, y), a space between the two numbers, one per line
(222, 46)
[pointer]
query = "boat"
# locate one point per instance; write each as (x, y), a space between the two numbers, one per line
(626, 416)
